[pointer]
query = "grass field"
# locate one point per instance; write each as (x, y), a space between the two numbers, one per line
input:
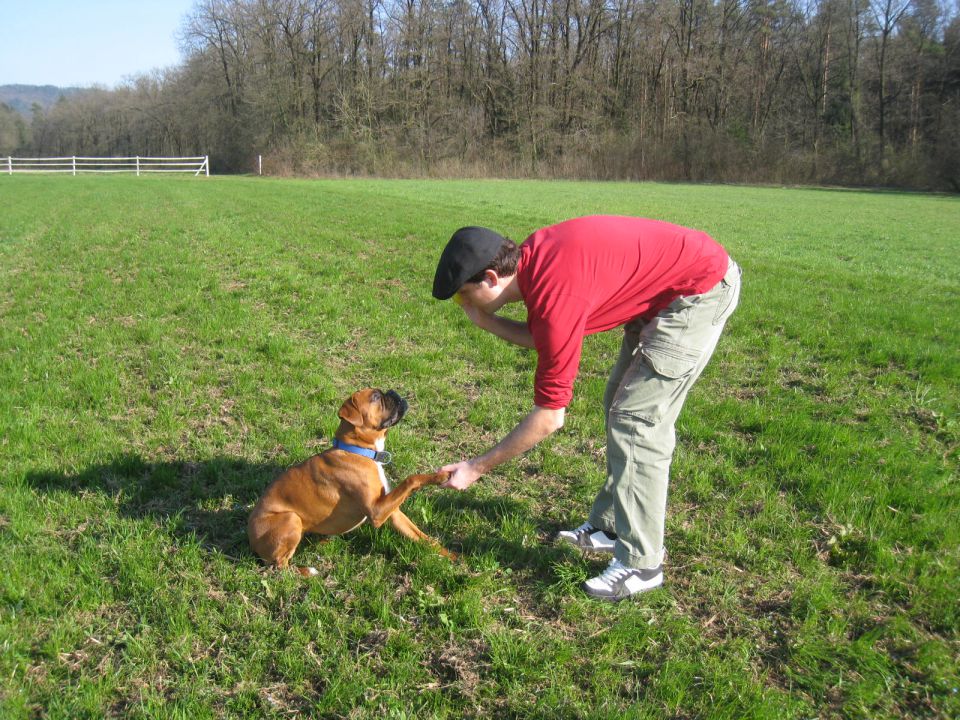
(167, 345)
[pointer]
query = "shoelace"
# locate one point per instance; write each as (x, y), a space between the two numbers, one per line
(615, 570)
(586, 527)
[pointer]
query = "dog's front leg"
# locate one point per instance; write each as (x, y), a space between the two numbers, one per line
(385, 505)
(406, 527)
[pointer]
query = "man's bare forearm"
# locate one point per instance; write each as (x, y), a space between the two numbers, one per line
(536, 426)
(510, 330)
(539, 424)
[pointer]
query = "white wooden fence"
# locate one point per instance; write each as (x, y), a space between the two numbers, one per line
(137, 164)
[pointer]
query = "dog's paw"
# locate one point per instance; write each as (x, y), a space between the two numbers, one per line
(440, 478)
(429, 478)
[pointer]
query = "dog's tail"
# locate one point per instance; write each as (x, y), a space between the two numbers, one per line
(307, 570)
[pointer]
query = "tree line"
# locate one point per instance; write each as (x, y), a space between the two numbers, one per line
(796, 91)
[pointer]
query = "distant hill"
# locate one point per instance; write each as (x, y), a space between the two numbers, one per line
(22, 97)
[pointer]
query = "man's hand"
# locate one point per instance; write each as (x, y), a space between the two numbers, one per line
(462, 475)
(474, 314)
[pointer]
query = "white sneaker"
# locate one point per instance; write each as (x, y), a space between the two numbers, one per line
(587, 537)
(618, 581)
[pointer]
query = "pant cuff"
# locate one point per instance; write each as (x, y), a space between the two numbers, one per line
(602, 522)
(639, 562)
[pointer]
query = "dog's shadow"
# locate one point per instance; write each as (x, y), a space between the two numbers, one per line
(208, 500)
(211, 500)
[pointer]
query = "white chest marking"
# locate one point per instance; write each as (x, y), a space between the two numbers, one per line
(383, 478)
(380, 444)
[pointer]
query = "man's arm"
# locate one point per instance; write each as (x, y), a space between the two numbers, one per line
(540, 423)
(510, 330)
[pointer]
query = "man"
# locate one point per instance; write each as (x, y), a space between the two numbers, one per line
(671, 288)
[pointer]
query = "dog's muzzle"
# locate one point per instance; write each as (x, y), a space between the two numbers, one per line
(398, 410)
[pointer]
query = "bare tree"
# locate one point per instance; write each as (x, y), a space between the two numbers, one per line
(842, 90)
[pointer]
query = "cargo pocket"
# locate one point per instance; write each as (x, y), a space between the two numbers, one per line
(655, 385)
(669, 359)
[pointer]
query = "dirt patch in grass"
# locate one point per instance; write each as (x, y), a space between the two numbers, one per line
(460, 667)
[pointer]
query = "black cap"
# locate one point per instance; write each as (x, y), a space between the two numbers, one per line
(469, 251)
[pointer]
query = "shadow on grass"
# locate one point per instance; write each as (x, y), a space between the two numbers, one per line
(535, 555)
(211, 500)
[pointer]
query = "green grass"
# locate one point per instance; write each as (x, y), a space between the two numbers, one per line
(166, 346)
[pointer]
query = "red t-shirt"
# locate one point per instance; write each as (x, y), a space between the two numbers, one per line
(590, 274)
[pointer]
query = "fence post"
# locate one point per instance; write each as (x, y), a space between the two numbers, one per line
(206, 162)
(138, 166)
(73, 163)
(9, 165)
(259, 164)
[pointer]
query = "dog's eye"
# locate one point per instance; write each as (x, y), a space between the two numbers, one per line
(376, 396)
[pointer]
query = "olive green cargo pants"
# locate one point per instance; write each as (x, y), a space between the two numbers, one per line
(659, 362)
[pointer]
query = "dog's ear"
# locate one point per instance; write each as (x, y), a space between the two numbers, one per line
(350, 413)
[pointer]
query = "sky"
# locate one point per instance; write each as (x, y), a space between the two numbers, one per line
(79, 43)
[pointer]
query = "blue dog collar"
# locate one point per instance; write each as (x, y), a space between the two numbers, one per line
(384, 458)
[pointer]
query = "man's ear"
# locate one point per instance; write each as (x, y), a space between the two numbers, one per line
(350, 413)
(490, 277)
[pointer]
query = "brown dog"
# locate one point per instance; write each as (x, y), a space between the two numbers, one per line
(337, 490)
